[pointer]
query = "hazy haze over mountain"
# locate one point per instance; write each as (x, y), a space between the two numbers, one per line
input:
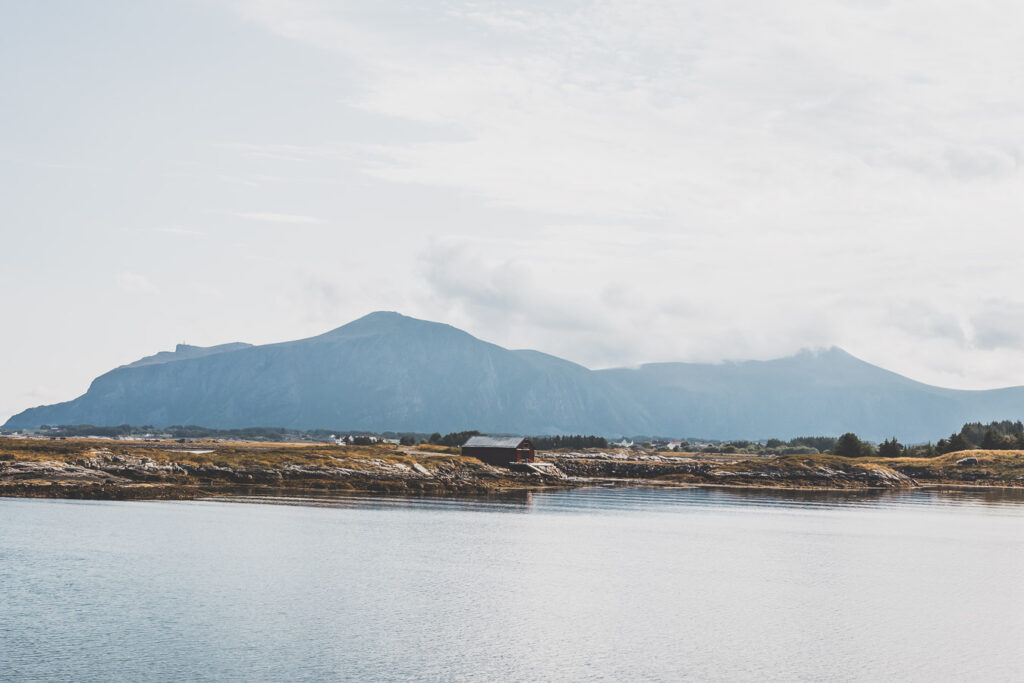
(386, 371)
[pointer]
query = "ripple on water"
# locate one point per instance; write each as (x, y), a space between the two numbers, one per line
(594, 583)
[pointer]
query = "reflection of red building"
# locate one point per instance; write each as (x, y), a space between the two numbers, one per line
(498, 450)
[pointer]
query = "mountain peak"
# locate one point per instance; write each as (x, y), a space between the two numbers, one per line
(824, 353)
(384, 322)
(382, 316)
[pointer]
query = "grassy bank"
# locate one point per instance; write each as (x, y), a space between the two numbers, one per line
(95, 468)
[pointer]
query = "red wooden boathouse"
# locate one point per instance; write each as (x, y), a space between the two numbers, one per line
(499, 450)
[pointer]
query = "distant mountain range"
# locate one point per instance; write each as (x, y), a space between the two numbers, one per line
(386, 371)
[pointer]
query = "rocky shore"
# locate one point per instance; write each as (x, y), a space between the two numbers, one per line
(85, 468)
(748, 473)
(132, 477)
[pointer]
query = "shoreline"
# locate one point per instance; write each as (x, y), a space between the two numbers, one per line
(170, 492)
(123, 470)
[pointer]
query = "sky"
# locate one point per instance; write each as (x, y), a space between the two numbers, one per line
(611, 182)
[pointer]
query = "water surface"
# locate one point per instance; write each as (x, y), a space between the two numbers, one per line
(590, 584)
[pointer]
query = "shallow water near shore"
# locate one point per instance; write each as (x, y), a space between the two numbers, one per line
(586, 584)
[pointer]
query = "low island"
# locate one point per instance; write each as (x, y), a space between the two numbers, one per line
(136, 469)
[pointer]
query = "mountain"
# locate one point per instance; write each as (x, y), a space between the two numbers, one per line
(182, 351)
(386, 371)
(825, 392)
(383, 371)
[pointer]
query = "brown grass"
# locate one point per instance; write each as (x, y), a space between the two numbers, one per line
(226, 453)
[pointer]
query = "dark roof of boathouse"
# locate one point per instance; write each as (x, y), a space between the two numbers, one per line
(494, 442)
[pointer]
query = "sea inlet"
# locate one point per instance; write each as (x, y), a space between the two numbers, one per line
(587, 584)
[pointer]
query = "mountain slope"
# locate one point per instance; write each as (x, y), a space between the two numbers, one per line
(828, 392)
(184, 351)
(386, 371)
(383, 371)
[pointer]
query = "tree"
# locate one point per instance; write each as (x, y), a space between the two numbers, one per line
(890, 448)
(926, 450)
(958, 443)
(457, 438)
(849, 446)
(994, 441)
(550, 443)
(435, 438)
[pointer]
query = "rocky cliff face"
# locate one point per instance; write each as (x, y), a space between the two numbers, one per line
(390, 372)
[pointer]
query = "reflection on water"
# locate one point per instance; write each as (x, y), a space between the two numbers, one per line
(882, 497)
(586, 584)
(646, 499)
(504, 501)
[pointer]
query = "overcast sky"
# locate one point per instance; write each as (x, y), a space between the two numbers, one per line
(612, 182)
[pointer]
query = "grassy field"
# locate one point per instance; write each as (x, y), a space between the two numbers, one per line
(226, 453)
(1002, 467)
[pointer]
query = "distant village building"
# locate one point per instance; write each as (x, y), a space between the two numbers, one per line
(350, 439)
(499, 450)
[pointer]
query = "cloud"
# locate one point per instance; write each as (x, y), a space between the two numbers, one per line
(922, 320)
(609, 316)
(286, 152)
(998, 324)
(175, 230)
(701, 112)
(267, 217)
(135, 283)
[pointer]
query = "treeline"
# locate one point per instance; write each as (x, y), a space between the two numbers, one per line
(273, 434)
(1000, 435)
(801, 445)
(551, 443)
(92, 430)
(281, 434)
(247, 433)
(452, 439)
(1004, 435)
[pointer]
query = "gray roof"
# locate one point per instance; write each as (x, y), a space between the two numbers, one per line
(493, 442)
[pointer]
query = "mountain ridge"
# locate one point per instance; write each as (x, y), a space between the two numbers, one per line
(387, 371)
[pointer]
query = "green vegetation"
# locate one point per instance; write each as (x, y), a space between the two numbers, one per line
(1004, 435)
(891, 448)
(996, 436)
(453, 439)
(849, 446)
(551, 443)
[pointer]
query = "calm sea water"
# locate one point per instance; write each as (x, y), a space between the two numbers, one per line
(592, 584)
